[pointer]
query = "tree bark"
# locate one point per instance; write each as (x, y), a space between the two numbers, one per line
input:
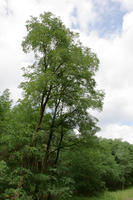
(59, 146)
(50, 138)
(42, 108)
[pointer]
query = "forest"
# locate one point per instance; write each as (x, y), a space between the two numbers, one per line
(48, 144)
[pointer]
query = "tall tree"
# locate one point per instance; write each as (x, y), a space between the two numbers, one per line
(60, 81)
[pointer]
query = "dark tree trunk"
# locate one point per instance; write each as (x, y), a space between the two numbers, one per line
(60, 144)
(49, 196)
(42, 109)
(50, 138)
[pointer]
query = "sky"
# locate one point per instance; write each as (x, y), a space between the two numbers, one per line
(105, 26)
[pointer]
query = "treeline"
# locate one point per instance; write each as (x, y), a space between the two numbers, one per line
(87, 164)
(48, 147)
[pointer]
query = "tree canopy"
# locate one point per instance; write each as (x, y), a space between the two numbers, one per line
(60, 84)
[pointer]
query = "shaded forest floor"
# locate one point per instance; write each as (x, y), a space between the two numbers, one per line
(118, 195)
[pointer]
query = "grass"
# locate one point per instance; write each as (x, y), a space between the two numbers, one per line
(119, 195)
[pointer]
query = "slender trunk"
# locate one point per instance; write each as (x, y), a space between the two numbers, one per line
(50, 138)
(49, 196)
(59, 146)
(42, 109)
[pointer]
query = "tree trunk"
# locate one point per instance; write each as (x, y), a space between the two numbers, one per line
(49, 196)
(59, 146)
(42, 109)
(50, 138)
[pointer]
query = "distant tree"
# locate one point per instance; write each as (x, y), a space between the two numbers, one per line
(123, 154)
(5, 108)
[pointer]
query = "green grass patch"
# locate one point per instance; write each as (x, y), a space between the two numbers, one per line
(118, 195)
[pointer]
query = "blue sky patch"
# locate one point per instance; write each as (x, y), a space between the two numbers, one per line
(74, 14)
(109, 18)
(126, 123)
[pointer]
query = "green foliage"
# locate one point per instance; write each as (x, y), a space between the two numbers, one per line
(5, 107)
(88, 173)
(123, 154)
(41, 156)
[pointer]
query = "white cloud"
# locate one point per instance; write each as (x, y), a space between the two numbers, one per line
(85, 14)
(126, 4)
(3, 8)
(116, 131)
(116, 77)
